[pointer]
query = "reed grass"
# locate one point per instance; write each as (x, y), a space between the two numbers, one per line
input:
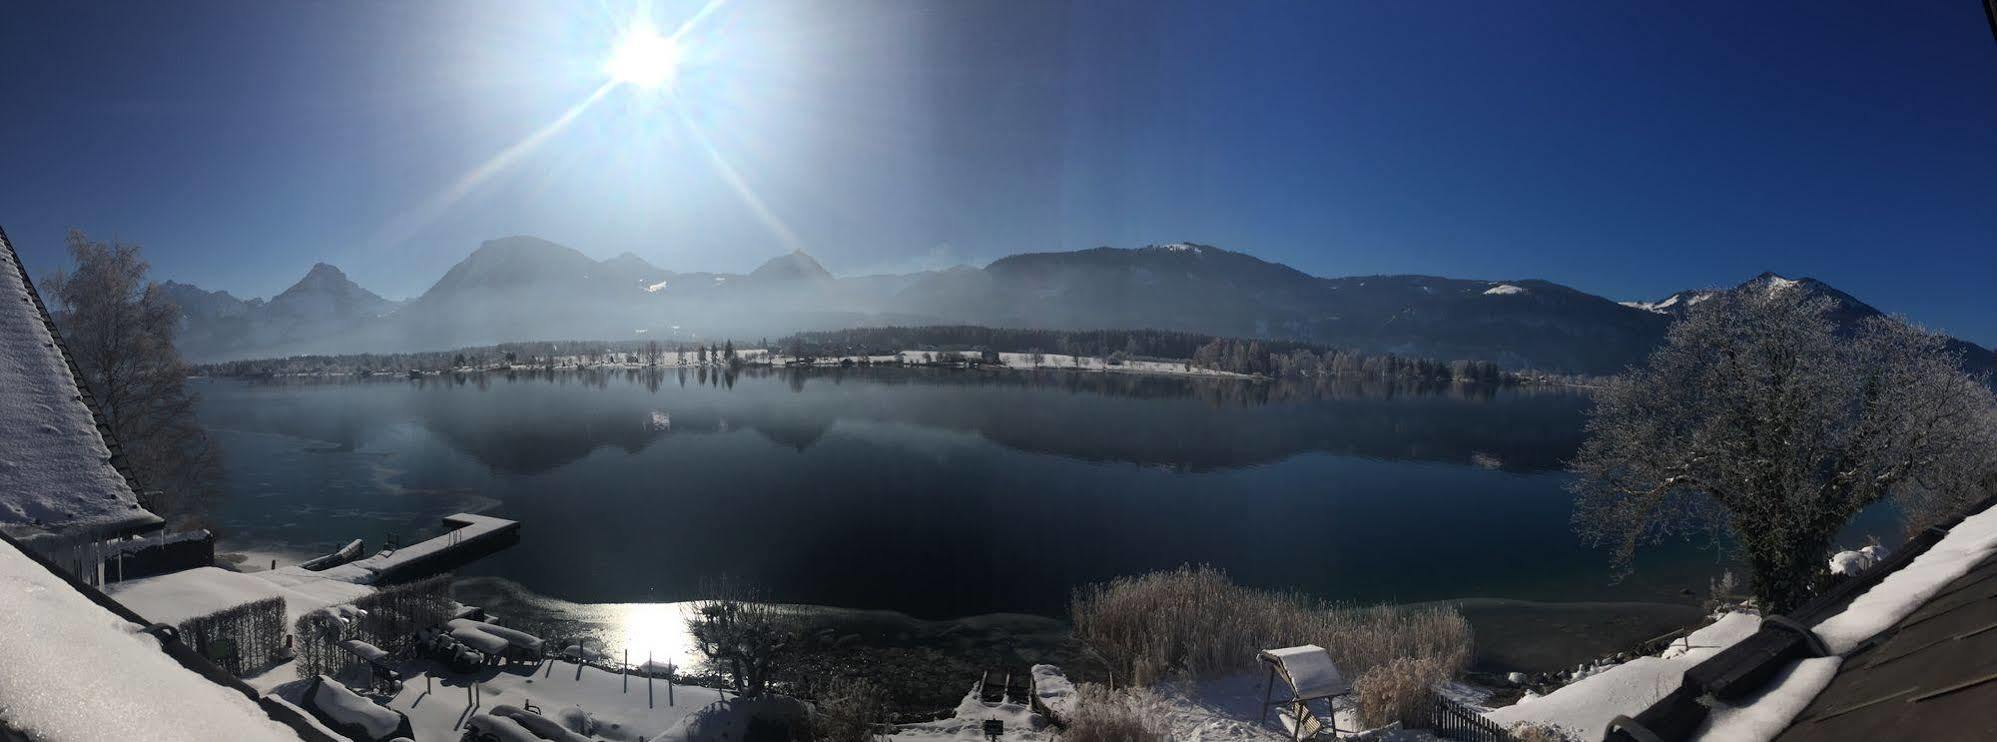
(1195, 621)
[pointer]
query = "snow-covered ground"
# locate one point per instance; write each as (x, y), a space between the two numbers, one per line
(1227, 709)
(618, 707)
(71, 671)
(56, 477)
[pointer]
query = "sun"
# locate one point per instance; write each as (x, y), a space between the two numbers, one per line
(645, 59)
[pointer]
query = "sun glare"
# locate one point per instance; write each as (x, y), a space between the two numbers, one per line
(645, 59)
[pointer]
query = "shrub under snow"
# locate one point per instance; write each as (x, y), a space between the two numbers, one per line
(1104, 715)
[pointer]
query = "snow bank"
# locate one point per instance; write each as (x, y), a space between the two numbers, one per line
(1966, 545)
(1585, 708)
(55, 471)
(1503, 289)
(71, 671)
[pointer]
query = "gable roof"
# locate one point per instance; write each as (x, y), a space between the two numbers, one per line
(59, 476)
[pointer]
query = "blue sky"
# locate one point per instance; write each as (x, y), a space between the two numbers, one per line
(1627, 149)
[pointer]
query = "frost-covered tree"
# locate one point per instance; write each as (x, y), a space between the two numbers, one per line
(1761, 422)
(741, 636)
(119, 330)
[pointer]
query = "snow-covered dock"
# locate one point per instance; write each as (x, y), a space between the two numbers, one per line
(471, 536)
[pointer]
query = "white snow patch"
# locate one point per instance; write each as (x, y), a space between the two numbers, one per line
(657, 287)
(1854, 561)
(71, 671)
(1503, 289)
(1585, 708)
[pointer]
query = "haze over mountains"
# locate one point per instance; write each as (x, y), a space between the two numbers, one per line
(526, 288)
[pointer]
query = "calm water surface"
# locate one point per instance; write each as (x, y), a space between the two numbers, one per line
(935, 493)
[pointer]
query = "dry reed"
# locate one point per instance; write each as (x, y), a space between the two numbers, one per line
(1194, 620)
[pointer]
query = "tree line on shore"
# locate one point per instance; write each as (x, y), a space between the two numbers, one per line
(542, 354)
(1269, 358)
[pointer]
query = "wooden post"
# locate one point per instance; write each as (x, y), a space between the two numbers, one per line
(648, 679)
(625, 669)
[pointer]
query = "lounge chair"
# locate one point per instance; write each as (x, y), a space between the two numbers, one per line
(1310, 675)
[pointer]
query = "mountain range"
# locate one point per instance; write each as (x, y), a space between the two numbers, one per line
(527, 288)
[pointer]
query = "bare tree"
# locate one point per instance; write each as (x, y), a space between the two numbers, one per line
(1760, 419)
(741, 635)
(119, 330)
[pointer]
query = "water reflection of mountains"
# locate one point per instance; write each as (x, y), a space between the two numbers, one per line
(531, 422)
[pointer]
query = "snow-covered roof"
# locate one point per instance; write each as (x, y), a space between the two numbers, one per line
(72, 671)
(1586, 707)
(56, 473)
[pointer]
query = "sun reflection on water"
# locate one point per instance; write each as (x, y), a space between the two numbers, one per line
(654, 631)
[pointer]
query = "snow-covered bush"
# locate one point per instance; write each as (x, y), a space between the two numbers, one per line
(386, 618)
(318, 635)
(1401, 690)
(391, 616)
(1104, 715)
(1530, 732)
(741, 636)
(243, 640)
(1194, 619)
(849, 712)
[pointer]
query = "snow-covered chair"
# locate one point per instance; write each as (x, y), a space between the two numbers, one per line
(352, 714)
(1310, 675)
(495, 640)
(484, 727)
(541, 726)
(380, 663)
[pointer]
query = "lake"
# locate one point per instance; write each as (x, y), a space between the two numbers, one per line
(936, 493)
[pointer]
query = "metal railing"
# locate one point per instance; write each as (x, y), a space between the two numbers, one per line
(1456, 721)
